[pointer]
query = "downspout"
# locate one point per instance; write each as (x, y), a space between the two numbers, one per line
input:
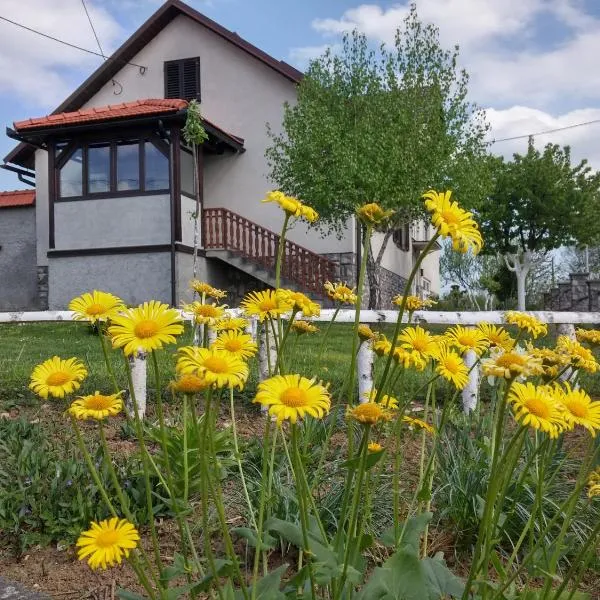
(173, 152)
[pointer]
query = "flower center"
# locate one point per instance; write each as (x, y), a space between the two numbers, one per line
(420, 344)
(207, 310)
(466, 340)
(293, 397)
(216, 364)
(368, 412)
(538, 407)
(451, 365)
(576, 407)
(58, 378)
(145, 329)
(233, 345)
(98, 402)
(95, 309)
(267, 304)
(107, 539)
(510, 360)
(450, 217)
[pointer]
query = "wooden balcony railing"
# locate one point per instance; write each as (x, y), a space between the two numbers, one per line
(226, 230)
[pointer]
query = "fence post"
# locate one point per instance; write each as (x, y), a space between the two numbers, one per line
(365, 364)
(138, 363)
(470, 393)
(267, 353)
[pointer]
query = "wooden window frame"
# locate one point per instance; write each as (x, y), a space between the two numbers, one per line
(112, 143)
(180, 62)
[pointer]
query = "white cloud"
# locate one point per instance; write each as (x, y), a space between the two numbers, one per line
(302, 56)
(38, 69)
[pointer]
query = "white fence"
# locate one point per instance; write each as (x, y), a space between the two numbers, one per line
(565, 320)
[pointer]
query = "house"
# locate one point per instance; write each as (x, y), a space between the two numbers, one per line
(114, 186)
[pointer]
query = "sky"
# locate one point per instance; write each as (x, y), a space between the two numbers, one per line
(533, 64)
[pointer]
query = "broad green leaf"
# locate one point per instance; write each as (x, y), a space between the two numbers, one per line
(268, 541)
(441, 582)
(415, 526)
(267, 588)
(127, 595)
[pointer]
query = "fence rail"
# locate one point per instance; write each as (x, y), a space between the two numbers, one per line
(226, 230)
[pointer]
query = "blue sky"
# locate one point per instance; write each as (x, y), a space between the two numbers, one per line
(533, 63)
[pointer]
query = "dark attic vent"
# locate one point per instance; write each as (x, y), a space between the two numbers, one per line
(182, 78)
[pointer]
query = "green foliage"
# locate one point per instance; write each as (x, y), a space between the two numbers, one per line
(193, 130)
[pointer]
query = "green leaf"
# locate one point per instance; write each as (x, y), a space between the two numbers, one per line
(127, 595)
(177, 569)
(415, 526)
(441, 582)
(268, 541)
(268, 587)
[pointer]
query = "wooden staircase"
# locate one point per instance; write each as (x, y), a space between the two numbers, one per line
(253, 249)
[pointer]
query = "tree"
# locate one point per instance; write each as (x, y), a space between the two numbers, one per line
(380, 126)
(540, 202)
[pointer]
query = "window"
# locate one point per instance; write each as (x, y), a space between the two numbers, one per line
(182, 78)
(187, 173)
(122, 167)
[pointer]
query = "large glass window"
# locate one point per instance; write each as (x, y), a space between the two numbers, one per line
(156, 168)
(128, 166)
(71, 175)
(187, 173)
(98, 171)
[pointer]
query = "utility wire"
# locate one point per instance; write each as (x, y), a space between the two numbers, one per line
(142, 68)
(528, 135)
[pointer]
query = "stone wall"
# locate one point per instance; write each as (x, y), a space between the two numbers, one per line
(579, 294)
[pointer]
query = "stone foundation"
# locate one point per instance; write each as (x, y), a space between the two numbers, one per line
(42, 287)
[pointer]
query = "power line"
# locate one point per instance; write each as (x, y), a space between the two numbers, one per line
(142, 68)
(528, 135)
(87, 14)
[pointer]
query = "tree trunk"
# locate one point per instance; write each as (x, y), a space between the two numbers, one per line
(520, 265)
(374, 278)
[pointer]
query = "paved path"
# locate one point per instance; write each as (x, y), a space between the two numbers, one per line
(15, 591)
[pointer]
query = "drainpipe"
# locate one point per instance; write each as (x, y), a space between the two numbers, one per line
(173, 149)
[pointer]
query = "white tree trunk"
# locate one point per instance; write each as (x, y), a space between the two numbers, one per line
(267, 353)
(520, 265)
(470, 393)
(365, 365)
(138, 364)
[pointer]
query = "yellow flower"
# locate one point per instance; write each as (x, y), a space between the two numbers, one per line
(413, 302)
(386, 401)
(594, 483)
(373, 214)
(231, 324)
(410, 359)
(537, 407)
(57, 377)
(204, 289)
(236, 343)
(107, 543)
(496, 336)
(189, 383)
(365, 333)
(265, 305)
(340, 292)
(369, 413)
(204, 314)
(217, 367)
(145, 328)
(527, 323)
(579, 409)
(382, 346)
(291, 397)
(301, 327)
(292, 206)
(511, 364)
(95, 306)
(374, 447)
(416, 339)
(467, 338)
(591, 336)
(451, 220)
(310, 214)
(452, 367)
(96, 406)
(300, 302)
(580, 356)
(412, 422)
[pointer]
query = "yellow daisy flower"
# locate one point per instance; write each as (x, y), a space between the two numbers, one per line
(497, 337)
(205, 314)
(413, 302)
(292, 206)
(451, 220)
(310, 214)
(386, 401)
(527, 323)
(265, 305)
(580, 356)
(409, 359)
(231, 324)
(145, 328)
(292, 397)
(340, 292)
(96, 406)
(591, 336)
(300, 302)
(201, 287)
(189, 383)
(512, 363)
(537, 407)
(369, 413)
(416, 339)
(217, 367)
(467, 338)
(57, 377)
(594, 483)
(374, 447)
(106, 543)
(579, 409)
(236, 343)
(365, 333)
(382, 346)
(412, 423)
(95, 306)
(301, 327)
(452, 367)
(373, 214)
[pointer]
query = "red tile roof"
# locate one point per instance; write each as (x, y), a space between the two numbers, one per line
(137, 108)
(17, 198)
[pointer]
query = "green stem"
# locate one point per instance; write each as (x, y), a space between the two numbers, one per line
(280, 251)
(109, 366)
(326, 334)
(279, 363)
